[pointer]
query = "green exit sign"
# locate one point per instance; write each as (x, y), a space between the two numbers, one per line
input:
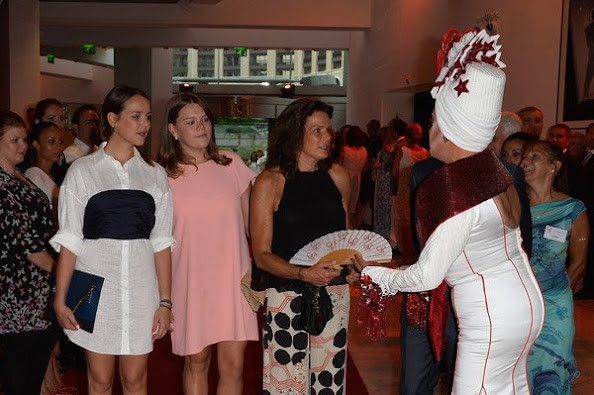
(241, 51)
(89, 49)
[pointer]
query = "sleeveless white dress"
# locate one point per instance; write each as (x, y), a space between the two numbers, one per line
(498, 303)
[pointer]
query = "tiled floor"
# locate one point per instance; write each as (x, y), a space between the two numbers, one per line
(378, 362)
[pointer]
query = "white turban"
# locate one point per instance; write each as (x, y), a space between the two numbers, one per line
(469, 118)
(469, 88)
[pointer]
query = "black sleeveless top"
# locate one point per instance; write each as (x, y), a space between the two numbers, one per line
(310, 207)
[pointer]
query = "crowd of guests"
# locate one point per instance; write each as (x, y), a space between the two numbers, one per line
(171, 238)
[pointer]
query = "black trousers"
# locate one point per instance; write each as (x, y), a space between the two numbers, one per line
(420, 370)
(25, 360)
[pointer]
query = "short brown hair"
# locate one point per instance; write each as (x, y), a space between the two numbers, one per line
(9, 119)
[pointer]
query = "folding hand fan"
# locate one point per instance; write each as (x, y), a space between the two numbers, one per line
(341, 246)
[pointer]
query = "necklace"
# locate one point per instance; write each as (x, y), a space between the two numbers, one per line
(547, 210)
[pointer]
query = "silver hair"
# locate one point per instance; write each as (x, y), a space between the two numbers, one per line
(510, 123)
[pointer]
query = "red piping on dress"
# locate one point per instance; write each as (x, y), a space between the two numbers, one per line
(483, 390)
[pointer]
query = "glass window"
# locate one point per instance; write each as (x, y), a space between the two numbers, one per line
(321, 60)
(336, 59)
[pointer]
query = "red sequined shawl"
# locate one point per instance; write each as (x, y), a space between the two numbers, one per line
(450, 190)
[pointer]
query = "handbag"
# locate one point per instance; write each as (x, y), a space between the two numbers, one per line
(254, 298)
(83, 298)
(316, 309)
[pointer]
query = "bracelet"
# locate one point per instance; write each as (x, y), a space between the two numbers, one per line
(166, 303)
(299, 274)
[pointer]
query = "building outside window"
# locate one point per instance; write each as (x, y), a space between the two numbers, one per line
(260, 64)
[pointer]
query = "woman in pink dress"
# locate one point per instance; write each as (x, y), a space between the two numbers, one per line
(353, 156)
(211, 193)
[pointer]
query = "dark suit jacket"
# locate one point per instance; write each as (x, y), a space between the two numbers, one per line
(424, 168)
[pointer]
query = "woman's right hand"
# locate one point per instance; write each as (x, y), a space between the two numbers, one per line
(65, 317)
(321, 273)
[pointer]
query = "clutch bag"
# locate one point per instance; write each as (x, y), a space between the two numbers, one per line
(83, 298)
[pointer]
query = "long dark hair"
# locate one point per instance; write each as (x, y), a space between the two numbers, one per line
(42, 106)
(34, 135)
(114, 102)
(285, 141)
(171, 153)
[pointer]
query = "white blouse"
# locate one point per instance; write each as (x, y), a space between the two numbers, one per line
(43, 181)
(130, 295)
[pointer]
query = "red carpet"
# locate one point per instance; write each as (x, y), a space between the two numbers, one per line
(165, 373)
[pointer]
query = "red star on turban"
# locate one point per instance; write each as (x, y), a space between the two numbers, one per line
(461, 87)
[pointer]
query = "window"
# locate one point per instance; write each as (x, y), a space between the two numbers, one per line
(231, 60)
(306, 62)
(321, 60)
(336, 59)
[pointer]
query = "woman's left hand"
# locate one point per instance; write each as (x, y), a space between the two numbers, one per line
(161, 322)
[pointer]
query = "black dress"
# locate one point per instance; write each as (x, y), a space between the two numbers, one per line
(310, 207)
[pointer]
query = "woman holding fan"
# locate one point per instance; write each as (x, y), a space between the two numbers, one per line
(299, 197)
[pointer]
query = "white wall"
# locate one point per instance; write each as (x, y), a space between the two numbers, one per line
(405, 36)
(531, 38)
(70, 90)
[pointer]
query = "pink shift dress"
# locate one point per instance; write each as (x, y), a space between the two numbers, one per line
(211, 257)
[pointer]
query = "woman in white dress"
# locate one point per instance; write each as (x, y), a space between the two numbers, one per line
(116, 216)
(469, 214)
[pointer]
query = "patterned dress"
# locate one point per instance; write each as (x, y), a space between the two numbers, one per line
(26, 227)
(551, 364)
(382, 222)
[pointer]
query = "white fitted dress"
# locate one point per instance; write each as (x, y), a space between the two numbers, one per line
(130, 294)
(498, 303)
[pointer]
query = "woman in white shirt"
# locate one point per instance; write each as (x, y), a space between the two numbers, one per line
(47, 144)
(116, 218)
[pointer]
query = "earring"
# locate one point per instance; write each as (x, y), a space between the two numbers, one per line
(552, 170)
(176, 138)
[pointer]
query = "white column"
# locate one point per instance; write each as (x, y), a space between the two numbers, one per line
(192, 63)
(314, 62)
(328, 60)
(298, 63)
(244, 65)
(271, 62)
